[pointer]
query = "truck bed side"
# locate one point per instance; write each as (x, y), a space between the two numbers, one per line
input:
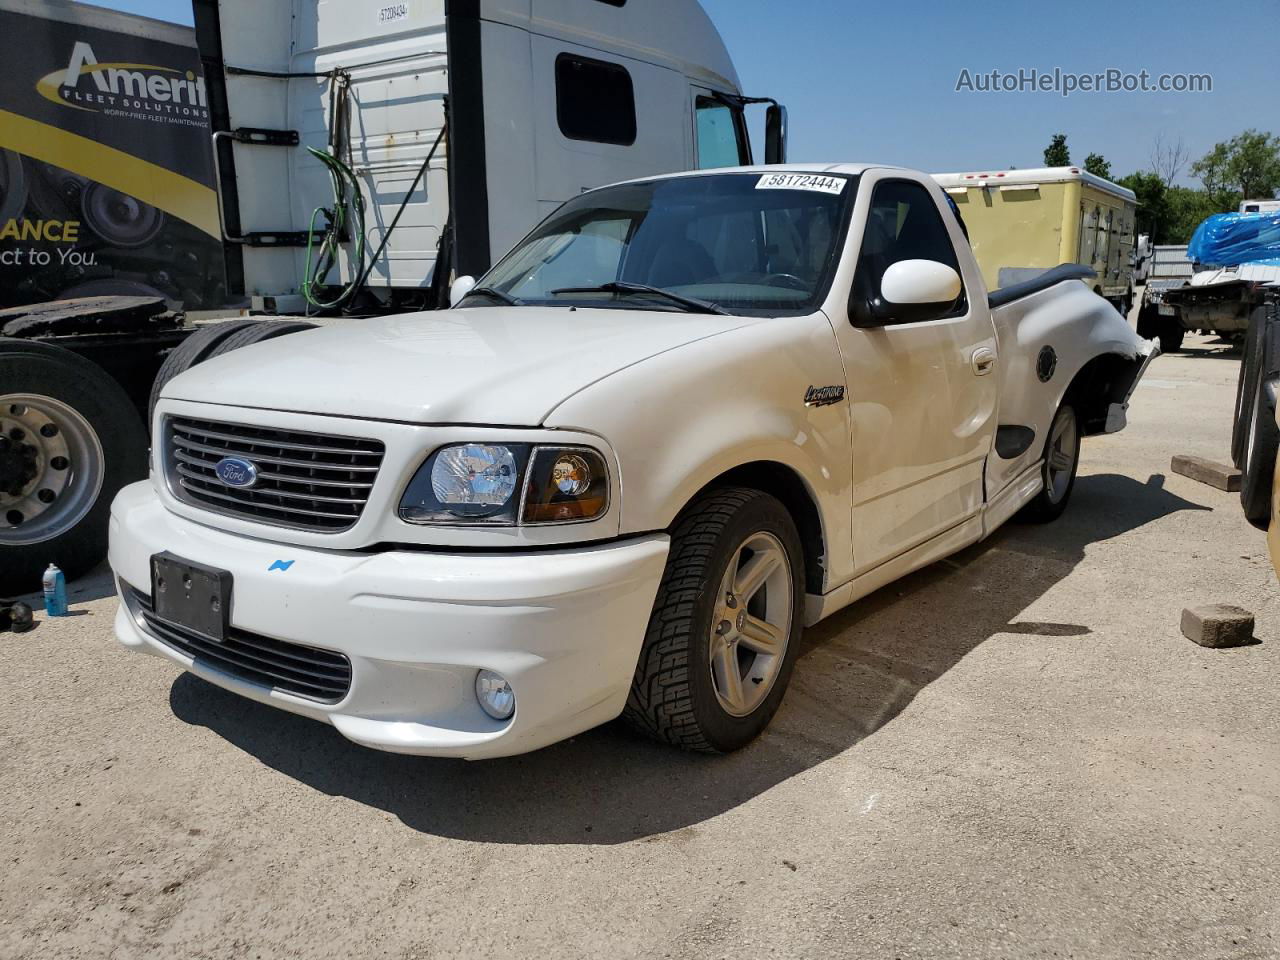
(1058, 341)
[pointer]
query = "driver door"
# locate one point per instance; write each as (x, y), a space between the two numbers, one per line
(922, 394)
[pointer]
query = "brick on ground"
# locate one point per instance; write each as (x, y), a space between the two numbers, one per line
(1218, 625)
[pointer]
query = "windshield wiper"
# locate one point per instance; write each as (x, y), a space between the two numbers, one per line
(493, 294)
(625, 288)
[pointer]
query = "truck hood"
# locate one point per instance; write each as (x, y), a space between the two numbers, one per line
(504, 366)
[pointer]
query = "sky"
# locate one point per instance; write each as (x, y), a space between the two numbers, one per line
(877, 82)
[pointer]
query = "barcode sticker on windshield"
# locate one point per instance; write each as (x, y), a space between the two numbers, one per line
(802, 181)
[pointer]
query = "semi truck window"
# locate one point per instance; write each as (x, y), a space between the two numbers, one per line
(595, 101)
(720, 135)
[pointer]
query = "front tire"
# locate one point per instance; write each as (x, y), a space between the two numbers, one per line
(725, 629)
(1058, 469)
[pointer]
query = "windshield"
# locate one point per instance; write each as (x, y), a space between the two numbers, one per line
(743, 243)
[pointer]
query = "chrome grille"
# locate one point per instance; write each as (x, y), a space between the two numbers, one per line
(308, 481)
(320, 675)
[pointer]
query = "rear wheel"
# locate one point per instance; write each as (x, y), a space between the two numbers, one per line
(259, 333)
(214, 341)
(1059, 468)
(725, 628)
(1168, 330)
(195, 349)
(69, 440)
(1171, 335)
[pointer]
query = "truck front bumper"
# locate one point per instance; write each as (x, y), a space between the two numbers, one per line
(564, 628)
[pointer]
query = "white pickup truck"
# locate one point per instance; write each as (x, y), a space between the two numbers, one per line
(683, 419)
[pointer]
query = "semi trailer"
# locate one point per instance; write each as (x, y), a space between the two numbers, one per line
(357, 159)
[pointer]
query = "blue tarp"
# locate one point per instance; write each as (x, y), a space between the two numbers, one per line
(1230, 239)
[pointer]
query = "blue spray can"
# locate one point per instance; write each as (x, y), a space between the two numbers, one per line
(55, 592)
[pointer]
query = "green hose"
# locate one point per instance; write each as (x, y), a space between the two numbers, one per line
(348, 208)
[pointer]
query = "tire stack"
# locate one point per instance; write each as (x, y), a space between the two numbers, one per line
(1255, 437)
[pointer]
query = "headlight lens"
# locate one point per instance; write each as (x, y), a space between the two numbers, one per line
(565, 486)
(473, 482)
(508, 484)
(474, 475)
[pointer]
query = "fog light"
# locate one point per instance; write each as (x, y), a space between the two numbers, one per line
(496, 697)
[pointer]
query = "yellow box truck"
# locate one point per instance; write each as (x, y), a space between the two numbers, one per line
(1023, 222)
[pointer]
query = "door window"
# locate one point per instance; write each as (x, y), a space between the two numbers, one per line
(720, 135)
(903, 224)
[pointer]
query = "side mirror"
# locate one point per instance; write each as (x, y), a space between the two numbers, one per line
(775, 134)
(460, 288)
(911, 291)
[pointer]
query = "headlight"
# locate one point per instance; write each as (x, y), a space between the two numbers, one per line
(507, 484)
(565, 486)
(474, 476)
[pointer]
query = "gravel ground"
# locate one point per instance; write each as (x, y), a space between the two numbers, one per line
(1011, 754)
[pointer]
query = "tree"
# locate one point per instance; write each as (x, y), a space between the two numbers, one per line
(1187, 210)
(1096, 164)
(1247, 165)
(1154, 215)
(1057, 154)
(1168, 158)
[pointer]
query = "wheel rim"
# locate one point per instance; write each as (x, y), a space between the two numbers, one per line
(51, 468)
(751, 624)
(1060, 464)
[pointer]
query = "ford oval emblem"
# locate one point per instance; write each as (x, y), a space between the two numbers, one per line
(235, 472)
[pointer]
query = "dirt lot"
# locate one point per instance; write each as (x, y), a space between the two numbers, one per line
(1012, 754)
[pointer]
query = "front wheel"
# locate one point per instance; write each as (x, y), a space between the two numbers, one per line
(725, 628)
(1059, 468)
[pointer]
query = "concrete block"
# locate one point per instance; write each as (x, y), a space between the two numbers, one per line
(1218, 625)
(1207, 471)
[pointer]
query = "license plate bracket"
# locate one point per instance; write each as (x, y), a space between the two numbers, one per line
(191, 595)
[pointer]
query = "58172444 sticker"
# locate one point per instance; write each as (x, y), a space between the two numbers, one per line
(802, 181)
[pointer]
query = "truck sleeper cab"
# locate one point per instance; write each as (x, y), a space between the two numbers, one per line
(543, 99)
(681, 420)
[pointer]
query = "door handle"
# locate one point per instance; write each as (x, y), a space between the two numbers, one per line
(984, 361)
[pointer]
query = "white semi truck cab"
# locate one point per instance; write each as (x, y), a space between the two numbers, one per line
(330, 127)
(682, 419)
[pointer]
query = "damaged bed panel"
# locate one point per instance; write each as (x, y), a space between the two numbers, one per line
(1056, 342)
